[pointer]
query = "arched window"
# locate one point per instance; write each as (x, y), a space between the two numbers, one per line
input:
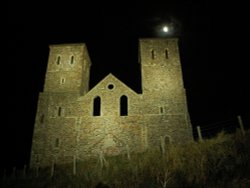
(97, 106)
(58, 60)
(124, 105)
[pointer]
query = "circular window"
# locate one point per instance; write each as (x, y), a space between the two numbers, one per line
(110, 86)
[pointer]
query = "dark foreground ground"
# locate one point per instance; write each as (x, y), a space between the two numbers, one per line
(222, 161)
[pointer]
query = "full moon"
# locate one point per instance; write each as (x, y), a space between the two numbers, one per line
(165, 29)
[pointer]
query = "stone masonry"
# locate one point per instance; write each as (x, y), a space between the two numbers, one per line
(75, 123)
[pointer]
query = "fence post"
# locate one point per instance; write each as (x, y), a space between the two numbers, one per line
(37, 171)
(52, 169)
(14, 172)
(128, 152)
(4, 174)
(199, 133)
(241, 125)
(74, 165)
(24, 170)
(102, 160)
(162, 145)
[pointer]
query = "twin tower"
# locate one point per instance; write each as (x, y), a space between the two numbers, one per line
(75, 123)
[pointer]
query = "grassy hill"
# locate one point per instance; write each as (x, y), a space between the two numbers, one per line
(219, 162)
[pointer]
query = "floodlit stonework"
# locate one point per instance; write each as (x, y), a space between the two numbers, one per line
(73, 122)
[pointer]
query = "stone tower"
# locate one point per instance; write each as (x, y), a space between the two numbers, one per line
(162, 82)
(68, 69)
(161, 70)
(75, 123)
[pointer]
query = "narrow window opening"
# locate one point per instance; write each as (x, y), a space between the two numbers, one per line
(97, 106)
(166, 54)
(58, 61)
(152, 54)
(161, 110)
(72, 60)
(59, 111)
(62, 80)
(124, 105)
(42, 118)
(57, 142)
(37, 158)
(167, 140)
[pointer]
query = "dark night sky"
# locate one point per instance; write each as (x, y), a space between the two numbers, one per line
(215, 78)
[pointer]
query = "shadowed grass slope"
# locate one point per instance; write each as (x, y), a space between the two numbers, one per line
(219, 162)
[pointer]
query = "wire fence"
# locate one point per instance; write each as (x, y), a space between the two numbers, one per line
(229, 125)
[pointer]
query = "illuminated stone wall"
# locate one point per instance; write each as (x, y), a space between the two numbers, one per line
(69, 125)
